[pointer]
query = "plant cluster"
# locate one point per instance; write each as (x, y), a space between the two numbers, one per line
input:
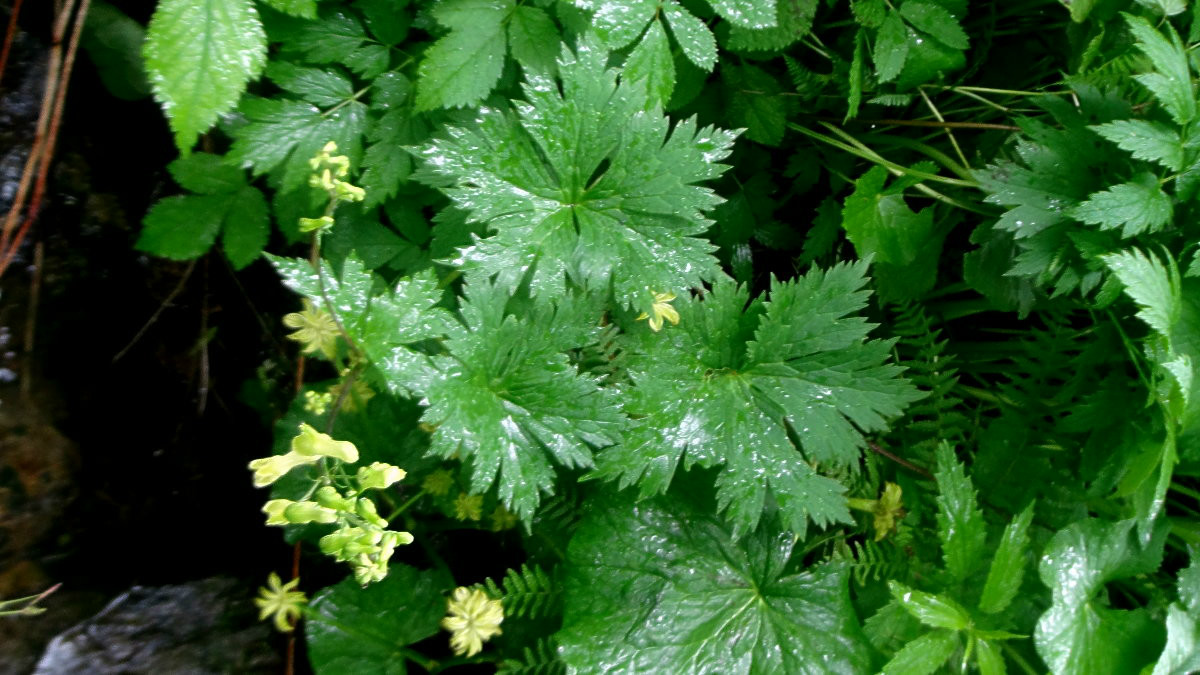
(776, 336)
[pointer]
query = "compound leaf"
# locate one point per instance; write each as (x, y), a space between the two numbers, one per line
(662, 586)
(753, 14)
(1172, 84)
(1151, 141)
(1136, 207)
(533, 39)
(692, 34)
(462, 67)
(936, 20)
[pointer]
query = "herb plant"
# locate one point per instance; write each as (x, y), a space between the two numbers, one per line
(771, 336)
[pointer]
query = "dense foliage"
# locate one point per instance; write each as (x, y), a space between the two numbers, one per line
(757, 336)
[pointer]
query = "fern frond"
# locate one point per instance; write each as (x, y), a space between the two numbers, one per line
(542, 659)
(940, 415)
(529, 592)
(871, 561)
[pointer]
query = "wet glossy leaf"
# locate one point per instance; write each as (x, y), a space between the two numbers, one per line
(281, 135)
(660, 586)
(1079, 634)
(507, 399)
(700, 397)
(200, 55)
(960, 523)
(793, 20)
(462, 67)
(929, 608)
(362, 631)
(924, 655)
(533, 39)
(752, 14)
(583, 183)
(932, 18)
(1008, 565)
(693, 36)
(651, 64)
(891, 48)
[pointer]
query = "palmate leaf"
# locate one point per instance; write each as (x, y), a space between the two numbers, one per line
(507, 398)
(584, 183)
(662, 587)
(619, 23)
(809, 373)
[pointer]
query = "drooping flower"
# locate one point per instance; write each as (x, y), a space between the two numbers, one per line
(473, 618)
(661, 309)
(312, 443)
(280, 602)
(267, 470)
(315, 329)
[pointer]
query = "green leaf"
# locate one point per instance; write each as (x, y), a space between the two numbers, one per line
(960, 523)
(857, 67)
(206, 174)
(651, 64)
(619, 22)
(936, 20)
(363, 631)
(1136, 207)
(305, 9)
(755, 103)
(387, 19)
(793, 20)
(246, 227)
(924, 655)
(1172, 83)
(384, 325)
(337, 37)
(869, 13)
(1078, 634)
(114, 42)
(184, 227)
(200, 54)
(461, 68)
(698, 396)
(930, 609)
(891, 48)
(319, 86)
(1148, 282)
(901, 242)
(533, 39)
(281, 135)
(1008, 565)
(754, 14)
(583, 183)
(693, 36)
(661, 587)
(1182, 653)
(989, 658)
(1150, 141)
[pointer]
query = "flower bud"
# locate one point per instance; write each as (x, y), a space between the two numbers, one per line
(329, 497)
(366, 510)
(300, 513)
(379, 476)
(314, 224)
(312, 443)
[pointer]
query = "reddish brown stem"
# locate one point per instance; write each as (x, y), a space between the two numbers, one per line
(9, 35)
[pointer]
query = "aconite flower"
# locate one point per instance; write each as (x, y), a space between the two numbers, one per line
(280, 602)
(661, 309)
(473, 618)
(314, 328)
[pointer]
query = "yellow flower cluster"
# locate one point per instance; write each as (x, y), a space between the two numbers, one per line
(473, 618)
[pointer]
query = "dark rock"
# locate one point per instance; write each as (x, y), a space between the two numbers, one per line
(206, 626)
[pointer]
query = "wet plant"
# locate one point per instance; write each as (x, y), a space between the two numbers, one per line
(716, 336)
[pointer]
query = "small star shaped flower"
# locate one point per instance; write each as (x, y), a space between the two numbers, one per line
(438, 483)
(279, 601)
(315, 329)
(661, 309)
(473, 618)
(468, 507)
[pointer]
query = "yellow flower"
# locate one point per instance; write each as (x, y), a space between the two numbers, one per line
(358, 396)
(270, 469)
(279, 601)
(473, 619)
(887, 509)
(317, 403)
(468, 507)
(503, 519)
(315, 329)
(661, 309)
(312, 443)
(438, 483)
